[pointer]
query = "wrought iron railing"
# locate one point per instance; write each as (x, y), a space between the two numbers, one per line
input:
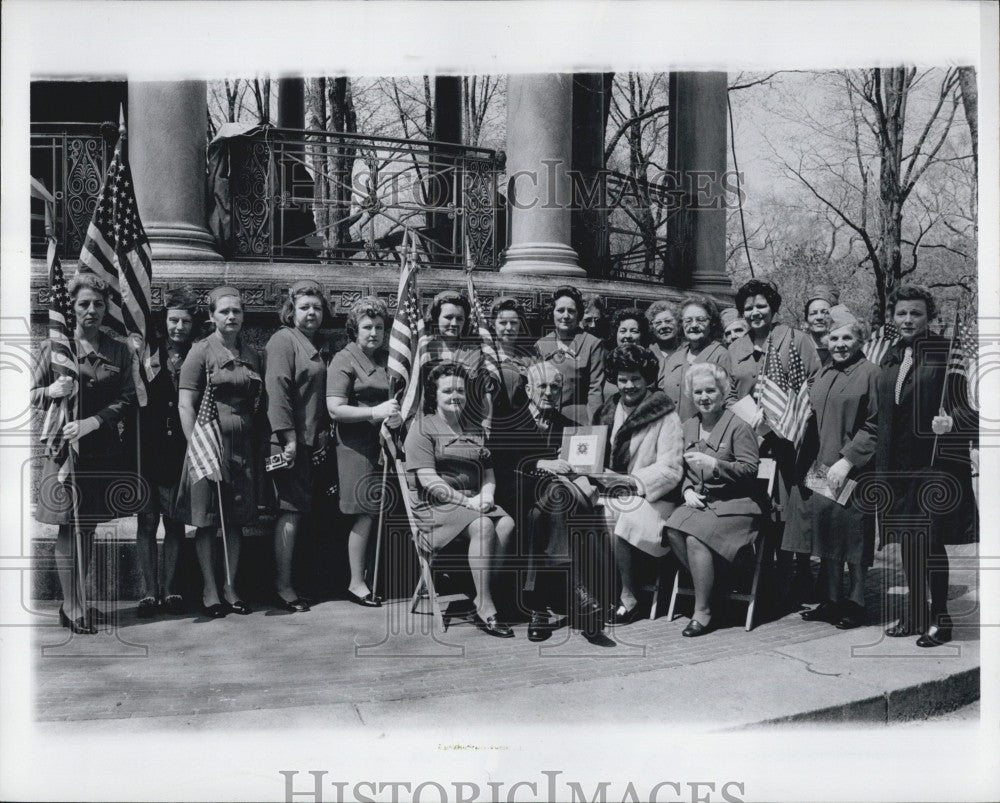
(344, 198)
(70, 160)
(634, 216)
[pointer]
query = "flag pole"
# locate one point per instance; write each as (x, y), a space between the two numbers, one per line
(230, 580)
(944, 384)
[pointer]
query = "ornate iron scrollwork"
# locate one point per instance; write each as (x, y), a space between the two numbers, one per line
(479, 196)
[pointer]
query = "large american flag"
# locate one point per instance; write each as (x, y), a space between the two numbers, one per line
(59, 412)
(116, 248)
(881, 340)
(408, 352)
(963, 356)
(795, 418)
(204, 453)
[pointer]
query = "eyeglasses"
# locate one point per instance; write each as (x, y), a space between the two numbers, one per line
(701, 319)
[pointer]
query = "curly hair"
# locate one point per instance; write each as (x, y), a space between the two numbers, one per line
(715, 329)
(912, 292)
(700, 369)
(287, 312)
(663, 305)
(367, 307)
(631, 357)
(567, 292)
(448, 297)
(442, 369)
(632, 314)
(88, 281)
(759, 287)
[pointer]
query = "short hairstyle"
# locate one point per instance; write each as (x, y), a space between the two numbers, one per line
(567, 292)
(223, 292)
(715, 329)
(367, 307)
(506, 304)
(182, 297)
(448, 297)
(809, 303)
(442, 369)
(287, 312)
(663, 305)
(594, 301)
(88, 281)
(702, 369)
(631, 357)
(912, 292)
(536, 370)
(632, 314)
(759, 287)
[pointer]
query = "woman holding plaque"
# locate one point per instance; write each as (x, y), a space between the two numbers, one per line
(296, 410)
(450, 479)
(720, 497)
(644, 443)
(839, 444)
(233, 369)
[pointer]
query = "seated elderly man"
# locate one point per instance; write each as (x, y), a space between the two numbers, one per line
(529, 486)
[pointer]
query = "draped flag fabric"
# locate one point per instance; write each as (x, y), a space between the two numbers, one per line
(963, 356)
(793, 421)
(881, 340)
(59, 412)
(773, 387)
(204, 454)
(117, 250)
(408, 353)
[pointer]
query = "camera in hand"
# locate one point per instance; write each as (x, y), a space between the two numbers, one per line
(276, 461)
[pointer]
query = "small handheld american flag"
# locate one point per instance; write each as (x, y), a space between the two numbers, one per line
(204, 453)
(773, 387)
(793, 421)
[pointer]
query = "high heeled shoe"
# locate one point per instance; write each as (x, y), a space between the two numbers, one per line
(937, 634)
(78, 625)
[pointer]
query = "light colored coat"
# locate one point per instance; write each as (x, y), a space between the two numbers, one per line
(655, 439)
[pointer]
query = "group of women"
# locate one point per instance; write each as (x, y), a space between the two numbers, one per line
(666, 382)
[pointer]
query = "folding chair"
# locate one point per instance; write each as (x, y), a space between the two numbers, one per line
(428, 561)
(761, 529)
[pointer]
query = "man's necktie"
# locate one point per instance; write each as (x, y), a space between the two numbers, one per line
(904, 369)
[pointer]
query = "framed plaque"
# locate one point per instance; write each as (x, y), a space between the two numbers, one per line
(584, 447)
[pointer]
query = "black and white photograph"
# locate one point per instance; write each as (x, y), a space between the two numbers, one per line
(506, 401)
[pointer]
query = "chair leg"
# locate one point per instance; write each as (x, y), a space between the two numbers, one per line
(656, 594)
(432, 594)
(752, 607)
(421, 586)
(673, 596)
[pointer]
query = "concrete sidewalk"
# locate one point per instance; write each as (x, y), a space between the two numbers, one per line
(341, 665)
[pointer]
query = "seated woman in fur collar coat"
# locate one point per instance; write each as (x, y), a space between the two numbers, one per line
(645, 442)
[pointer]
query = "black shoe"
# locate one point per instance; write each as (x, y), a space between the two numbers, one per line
(297, 605)
(80, 626)
(904, 627)
(827, 611)
(240, 607)
(217, 611)
(369, 600)
(148, 607)
(493, 626)
(539, 628)
(696, 628)
(854, 616)
(620, 615)
(936, 635)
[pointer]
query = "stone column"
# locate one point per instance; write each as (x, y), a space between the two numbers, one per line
(291, 103)
(167, 123)
(591, 96)
(539, 152)
(697, 232)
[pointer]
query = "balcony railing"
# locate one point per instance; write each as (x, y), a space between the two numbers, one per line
(347, 198)
(71, 160)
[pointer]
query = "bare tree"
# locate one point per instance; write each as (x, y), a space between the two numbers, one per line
(262, 96)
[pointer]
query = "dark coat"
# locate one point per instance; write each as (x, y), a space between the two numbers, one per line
(296, 387)
(732, 488)
(745, 368)
(582, 368)
(908, 455)
(674, 368)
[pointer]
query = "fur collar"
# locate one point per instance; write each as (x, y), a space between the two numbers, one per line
(655, 406)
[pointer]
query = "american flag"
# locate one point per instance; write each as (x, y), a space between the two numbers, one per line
(408, 352)
(963, 356)
(773, 387)
(116, 248)
(58, 413)
(204, 453)
(795, 418)
(881, 340)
